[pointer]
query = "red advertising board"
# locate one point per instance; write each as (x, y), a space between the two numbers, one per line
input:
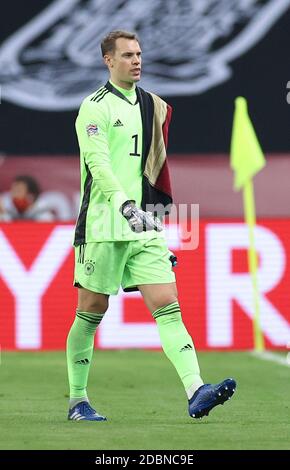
(37, 300)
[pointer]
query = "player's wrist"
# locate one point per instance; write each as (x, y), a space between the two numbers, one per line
(127, 208)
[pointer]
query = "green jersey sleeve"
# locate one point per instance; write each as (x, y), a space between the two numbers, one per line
(91, 127)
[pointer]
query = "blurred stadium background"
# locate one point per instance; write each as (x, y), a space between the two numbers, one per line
(199, 56)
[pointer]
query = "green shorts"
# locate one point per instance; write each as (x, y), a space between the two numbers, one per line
(103, 266)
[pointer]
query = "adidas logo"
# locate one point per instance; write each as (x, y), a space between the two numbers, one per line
(83, 362)
(187, 347)
(118, 123)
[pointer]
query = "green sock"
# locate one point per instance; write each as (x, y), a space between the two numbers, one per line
(80, 347)
(178, 346)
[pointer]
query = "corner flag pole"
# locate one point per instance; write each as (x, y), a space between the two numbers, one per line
(250, 218)
(247, 159)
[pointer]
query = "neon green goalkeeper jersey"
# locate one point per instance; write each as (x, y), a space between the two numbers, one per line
(110, 135)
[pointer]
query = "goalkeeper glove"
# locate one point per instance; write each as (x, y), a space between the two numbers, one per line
(139, 220)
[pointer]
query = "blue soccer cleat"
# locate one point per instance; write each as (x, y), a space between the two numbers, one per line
(84, 412)
(208, 396)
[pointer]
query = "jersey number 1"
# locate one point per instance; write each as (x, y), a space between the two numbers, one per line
(135, 154)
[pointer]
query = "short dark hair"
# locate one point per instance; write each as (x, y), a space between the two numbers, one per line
(31, 184)
(108, 44)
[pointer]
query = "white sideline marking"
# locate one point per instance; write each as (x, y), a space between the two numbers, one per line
(269, 356)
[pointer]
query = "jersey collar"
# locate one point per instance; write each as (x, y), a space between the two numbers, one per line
(116, 92)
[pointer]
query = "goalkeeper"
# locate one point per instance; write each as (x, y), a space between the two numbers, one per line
(125, 191)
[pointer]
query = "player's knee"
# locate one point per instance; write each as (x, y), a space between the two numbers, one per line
(163, 301)
(93, 303)
(99, 306)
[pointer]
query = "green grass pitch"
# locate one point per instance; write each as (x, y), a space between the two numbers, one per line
(145, 403)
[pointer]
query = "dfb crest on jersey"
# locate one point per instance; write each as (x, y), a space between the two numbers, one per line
(54, 60)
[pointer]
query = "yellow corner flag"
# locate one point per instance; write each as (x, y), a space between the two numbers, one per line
(247, 159)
